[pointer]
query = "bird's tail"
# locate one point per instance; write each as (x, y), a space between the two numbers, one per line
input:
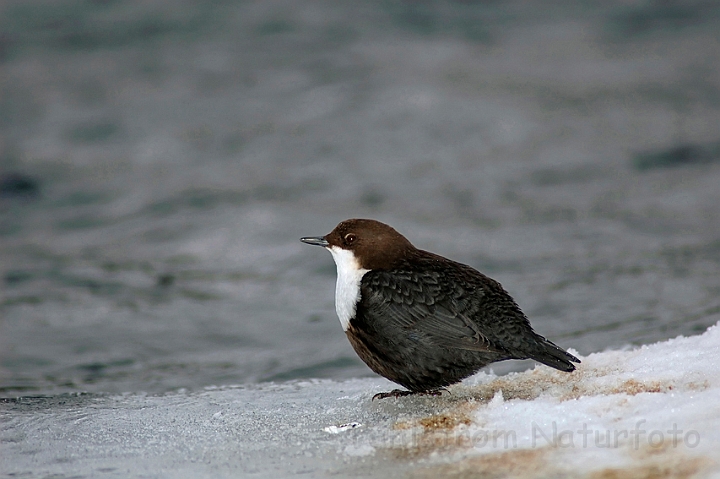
(554, 356)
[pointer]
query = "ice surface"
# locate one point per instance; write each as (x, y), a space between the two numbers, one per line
(648, 412)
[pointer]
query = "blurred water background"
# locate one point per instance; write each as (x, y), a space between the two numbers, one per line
(159, 161)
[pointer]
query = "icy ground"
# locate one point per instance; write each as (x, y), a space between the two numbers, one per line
(648, 412)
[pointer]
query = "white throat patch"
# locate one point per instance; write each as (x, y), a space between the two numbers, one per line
(347, 287)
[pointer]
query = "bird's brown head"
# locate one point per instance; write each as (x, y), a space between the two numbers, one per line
(375, 245)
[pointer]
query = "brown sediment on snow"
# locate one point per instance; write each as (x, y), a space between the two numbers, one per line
(445, 428)
(544, 462)
(584, 382)
(662, 463)
(434, 433)
(519, 463)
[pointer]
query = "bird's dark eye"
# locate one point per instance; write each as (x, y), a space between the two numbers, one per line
(350, 238)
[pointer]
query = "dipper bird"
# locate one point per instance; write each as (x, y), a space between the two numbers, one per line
(421, 320)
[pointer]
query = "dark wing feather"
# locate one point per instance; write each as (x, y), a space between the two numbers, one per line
(452, 305)
(421, 305)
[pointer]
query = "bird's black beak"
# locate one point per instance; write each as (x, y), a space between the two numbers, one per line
(315, 240)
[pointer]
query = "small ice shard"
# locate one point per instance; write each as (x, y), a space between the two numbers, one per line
(342, 427)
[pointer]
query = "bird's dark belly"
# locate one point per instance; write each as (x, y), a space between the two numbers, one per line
(415, 364)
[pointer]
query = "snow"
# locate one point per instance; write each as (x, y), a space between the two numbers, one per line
(648, 412)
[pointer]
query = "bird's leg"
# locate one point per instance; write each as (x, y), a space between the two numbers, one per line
(397, 393)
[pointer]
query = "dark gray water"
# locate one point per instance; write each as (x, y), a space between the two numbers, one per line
(160, 160)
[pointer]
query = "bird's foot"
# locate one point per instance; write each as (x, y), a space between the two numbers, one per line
(398, 393)
(395, 393)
